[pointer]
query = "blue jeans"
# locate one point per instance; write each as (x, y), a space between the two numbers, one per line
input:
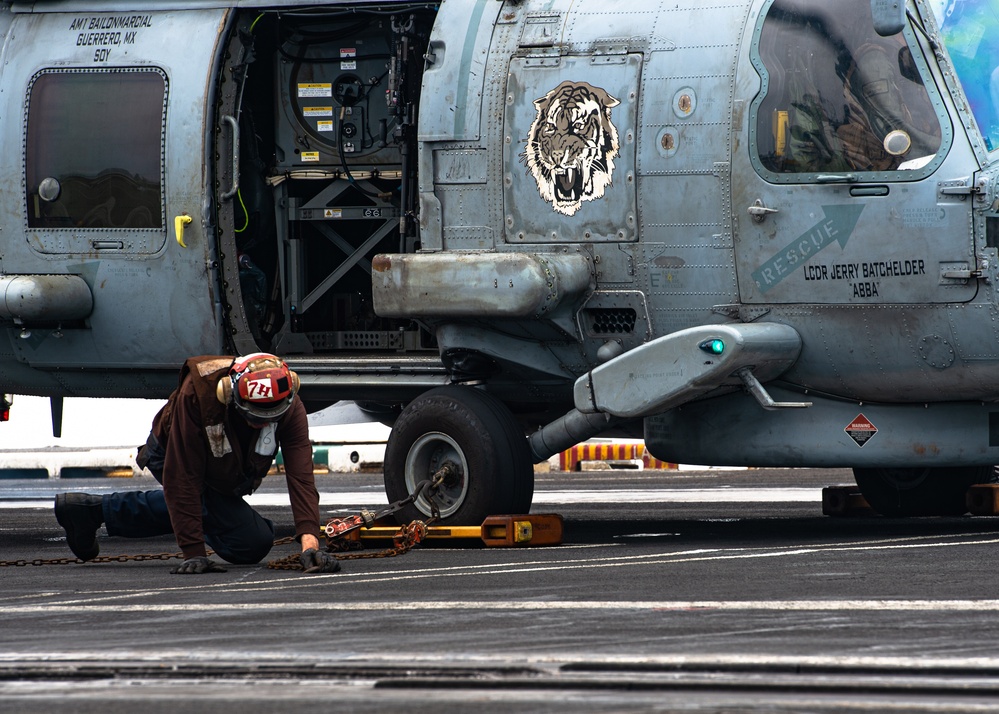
(236, 532)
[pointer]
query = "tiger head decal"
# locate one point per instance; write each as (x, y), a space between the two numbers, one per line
(572, 144)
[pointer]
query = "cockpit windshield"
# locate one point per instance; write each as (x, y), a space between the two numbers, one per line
(970, 31)
(838, 98)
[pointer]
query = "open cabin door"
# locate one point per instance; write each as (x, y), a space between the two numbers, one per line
(316, 166)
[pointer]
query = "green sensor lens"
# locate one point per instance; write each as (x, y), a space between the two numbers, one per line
(715, 347)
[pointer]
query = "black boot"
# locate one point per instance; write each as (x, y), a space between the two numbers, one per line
(81, 515)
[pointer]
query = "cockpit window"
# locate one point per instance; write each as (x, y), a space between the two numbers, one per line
(94, 149)
(970, 31)
(838, 98)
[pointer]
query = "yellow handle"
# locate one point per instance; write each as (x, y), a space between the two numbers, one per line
(178, 226)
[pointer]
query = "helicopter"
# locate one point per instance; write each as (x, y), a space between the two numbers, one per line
(758, 233)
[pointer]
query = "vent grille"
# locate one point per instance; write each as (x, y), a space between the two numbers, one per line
(373, 340)
(611, 320)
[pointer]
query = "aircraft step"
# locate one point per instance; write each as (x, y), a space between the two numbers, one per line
(367, 364)
(369, 377)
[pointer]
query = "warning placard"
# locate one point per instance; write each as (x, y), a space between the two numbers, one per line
(317, 111)
(861, 430)
(315, 89)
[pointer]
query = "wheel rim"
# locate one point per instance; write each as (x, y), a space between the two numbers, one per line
(428, 454)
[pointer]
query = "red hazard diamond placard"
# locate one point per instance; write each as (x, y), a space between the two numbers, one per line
(861, 430)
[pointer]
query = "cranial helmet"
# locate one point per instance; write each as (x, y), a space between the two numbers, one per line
(260, 386)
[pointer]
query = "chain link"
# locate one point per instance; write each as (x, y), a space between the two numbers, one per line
(408, 536)
(38, 561)
(98, 559)
(138, 557)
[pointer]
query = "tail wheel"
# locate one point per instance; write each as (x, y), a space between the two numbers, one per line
(491, 473)
(920, 491)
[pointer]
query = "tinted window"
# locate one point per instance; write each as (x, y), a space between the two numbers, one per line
(839, 98)
(95, 149)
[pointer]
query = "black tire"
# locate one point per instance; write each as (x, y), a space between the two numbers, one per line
(480, 435)
(920, 491)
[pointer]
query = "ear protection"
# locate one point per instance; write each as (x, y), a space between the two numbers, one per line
(223, 391)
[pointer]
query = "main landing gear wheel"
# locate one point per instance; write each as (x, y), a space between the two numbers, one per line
(493, 473)
(920, 491)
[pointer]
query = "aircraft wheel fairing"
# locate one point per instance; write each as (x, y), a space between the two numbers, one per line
(479, 435)
(920, 491)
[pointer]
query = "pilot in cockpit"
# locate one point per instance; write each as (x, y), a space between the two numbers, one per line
(841, 98)
(889, 118)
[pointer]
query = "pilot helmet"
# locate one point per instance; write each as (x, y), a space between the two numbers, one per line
(260, 386)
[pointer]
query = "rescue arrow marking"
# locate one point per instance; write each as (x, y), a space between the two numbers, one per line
(836, 226)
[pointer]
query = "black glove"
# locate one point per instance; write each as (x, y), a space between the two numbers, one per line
(318, 561)
(197, 566)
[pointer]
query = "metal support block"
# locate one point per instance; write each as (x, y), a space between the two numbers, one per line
(983, 499)
(844, 501)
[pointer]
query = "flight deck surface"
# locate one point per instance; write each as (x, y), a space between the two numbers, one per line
(698, 590)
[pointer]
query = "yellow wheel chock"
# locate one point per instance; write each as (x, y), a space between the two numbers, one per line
(495, 531)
